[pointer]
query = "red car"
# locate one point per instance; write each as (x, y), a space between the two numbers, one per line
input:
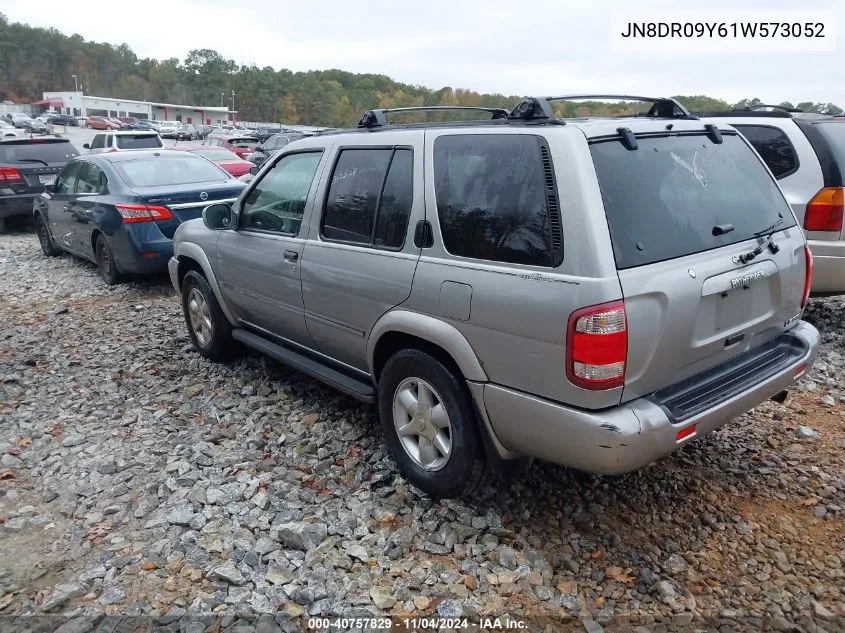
(221, 157)
(100, 123)
(240, 145)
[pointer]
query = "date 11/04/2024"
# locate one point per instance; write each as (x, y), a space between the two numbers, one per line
(413, 624)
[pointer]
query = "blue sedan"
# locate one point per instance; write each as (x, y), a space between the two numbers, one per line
(120, 209)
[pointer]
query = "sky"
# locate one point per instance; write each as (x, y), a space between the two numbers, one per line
(504, 46)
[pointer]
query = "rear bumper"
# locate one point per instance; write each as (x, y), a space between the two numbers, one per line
(828, 266)
(18, 204)
(141, 248)
(627, 437)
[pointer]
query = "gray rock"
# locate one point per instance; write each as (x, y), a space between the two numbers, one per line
(675, 564)
(450, 608)
(507, 557)
(356, 551)
(381, 597)
(73, 440)
(302, 536)
(112, 595)
(181, 515)
(15, 525)
(62, 593)
(78, 625)
(265, 545)
(278, 575)
(591, 626)
(666, 590)
(261, 604)
(228, 572)
(399, 542)
(805, 433)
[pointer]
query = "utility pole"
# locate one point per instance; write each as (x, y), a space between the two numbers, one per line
(221, 99)
(233, 106)
(75, 84)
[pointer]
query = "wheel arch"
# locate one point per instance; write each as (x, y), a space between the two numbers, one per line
(192, 257)
(401, 329)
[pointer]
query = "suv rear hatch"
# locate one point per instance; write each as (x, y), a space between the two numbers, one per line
(27, 164)
(684, 210)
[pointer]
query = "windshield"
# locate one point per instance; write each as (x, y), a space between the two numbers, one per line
(54, 152)
(215, 154)
(170, 170)
(138, 141)
(663, 199)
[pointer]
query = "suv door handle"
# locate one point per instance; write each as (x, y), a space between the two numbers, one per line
(291, 256)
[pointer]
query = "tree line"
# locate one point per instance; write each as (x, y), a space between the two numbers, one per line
(34, 60)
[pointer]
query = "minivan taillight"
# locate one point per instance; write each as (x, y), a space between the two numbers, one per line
(597, 346)
(824, 212)
(808, 275)
(132, 213)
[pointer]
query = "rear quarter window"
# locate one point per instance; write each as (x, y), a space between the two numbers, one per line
(663, 199)
(774, 148)
(492, 198)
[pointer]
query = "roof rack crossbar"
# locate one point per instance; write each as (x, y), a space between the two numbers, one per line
(540, 107)
(377, 118)
(760, 106)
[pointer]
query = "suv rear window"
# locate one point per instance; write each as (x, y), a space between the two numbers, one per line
(492, 198)
(138, 141)
(773, 146)
(663, 199)
(49, 152)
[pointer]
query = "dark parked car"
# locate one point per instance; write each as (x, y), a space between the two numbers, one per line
(26, 166)
(120, 210)
(62, 119)
(142, 124)
(33, 126)
(271, 147)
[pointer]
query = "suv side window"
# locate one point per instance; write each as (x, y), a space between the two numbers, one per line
(496, 199)
(99, 141)
(91, 180)
(774, 148)
(66, 181)
(370, 196)
(277, 202)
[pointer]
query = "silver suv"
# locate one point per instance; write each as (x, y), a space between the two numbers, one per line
(595, 293)
(806, 154)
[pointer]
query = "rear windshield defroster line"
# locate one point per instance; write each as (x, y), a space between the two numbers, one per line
(663, 200)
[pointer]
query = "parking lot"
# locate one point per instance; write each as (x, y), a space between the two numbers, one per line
(138, 478)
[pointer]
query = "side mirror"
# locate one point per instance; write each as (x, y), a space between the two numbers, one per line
(86, 145)
(218, 217)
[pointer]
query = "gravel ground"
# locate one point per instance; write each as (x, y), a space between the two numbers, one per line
(141, 480)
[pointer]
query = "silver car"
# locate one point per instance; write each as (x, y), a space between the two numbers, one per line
(595, 293)
(806, 154)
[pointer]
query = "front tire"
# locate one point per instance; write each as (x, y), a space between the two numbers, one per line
(47, 246)
(105, 262)
(430, 425)
(208, 327)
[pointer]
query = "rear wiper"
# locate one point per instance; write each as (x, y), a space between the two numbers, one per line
(33, 160)
(766, 243)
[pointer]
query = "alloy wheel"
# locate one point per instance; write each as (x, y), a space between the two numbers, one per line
(422, 424)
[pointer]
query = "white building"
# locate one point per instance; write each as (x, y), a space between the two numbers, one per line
(78, 104)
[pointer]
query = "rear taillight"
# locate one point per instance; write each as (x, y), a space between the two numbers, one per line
(132, 213)
(8, 174)
(597, 346)
(824, 212)
(808, 275)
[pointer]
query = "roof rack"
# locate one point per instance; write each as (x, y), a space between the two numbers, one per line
(777, 114)
(377, 118)
(760, 106)
(541, 108)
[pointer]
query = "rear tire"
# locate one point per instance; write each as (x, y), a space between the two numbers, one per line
(208, 327)
(47, 246)
(105, 262)
(89, 126)
(431, 425)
